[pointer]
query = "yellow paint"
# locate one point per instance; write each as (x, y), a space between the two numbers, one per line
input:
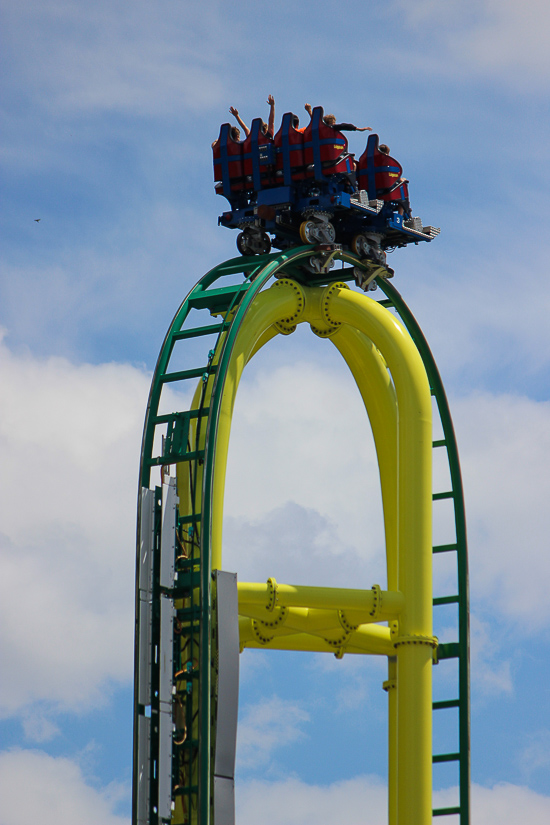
(274, 594)
(392, 381)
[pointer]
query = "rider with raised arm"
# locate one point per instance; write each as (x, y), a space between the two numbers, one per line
(330, 120)
(267, 128)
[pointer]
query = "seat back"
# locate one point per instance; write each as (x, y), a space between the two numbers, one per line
(325, 150)
(228, 162)
(289, 152)
(378, 174)
(258, 158)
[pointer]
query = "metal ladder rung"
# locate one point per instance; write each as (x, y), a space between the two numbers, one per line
(165, 419)
(448, 650)
(196, 454)
(446, 600)
(183, 375)
(190, 519)
(440, 496)
(444, 548)
(193, 456)
(445, 757)
(188, 613)
(446, 703)
(217, 299)
(197, 331)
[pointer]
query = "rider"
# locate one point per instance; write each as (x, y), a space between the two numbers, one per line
(267, 128)
(330, 120)
(404, 205)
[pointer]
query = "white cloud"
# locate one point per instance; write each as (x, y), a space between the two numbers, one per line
(297, 803)
(102, 290)
(36, 787)
(536, 753)
(504, 443)
(37, 727)
(492, 671)
(295, 545)
(70, 440)
(470, 316)
(300, 434)
(264, 727)
(133, 57)
(491, 36)
(512, 804)
(288, 444)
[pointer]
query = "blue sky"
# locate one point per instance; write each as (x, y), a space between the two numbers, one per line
(108, 112)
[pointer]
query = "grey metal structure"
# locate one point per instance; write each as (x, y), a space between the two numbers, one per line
(227, 626)
(163, 665)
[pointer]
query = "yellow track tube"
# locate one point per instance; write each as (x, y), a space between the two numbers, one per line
(189, 474)
(391, 687)
(367, 639)
(378, 393)
(383, 604)
(282, 301)
(415, 641)
(333, 624)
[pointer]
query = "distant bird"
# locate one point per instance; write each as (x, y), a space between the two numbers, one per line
(38, 220)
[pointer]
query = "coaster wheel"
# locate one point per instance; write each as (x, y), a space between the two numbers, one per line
(317, 232)
(253, 243)
(327, 232)
(360, 245)
(307, 232)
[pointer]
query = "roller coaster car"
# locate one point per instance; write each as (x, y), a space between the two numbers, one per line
(306, 188)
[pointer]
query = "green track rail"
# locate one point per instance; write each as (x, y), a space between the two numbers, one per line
(233, 301)
(213, 294)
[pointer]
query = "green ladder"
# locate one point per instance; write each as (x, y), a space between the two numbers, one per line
(181, 443)
(191, 757)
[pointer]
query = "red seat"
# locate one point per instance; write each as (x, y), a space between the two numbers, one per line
(289, 152)
(232, 157)
(331, 145)
(378, 174)
(266, 170)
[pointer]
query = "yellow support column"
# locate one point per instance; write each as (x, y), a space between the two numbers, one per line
(415, 640)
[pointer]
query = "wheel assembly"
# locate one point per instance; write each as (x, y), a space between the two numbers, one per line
(360, 245)
(307, 232)
(252, 242)
(321, 231)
